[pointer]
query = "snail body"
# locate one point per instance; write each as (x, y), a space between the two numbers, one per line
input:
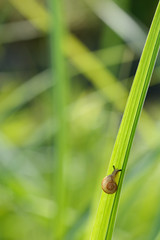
(109, 184)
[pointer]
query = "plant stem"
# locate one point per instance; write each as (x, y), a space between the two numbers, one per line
(108, 205)
(58, 69)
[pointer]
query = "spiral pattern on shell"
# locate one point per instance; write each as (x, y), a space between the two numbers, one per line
(109, 185)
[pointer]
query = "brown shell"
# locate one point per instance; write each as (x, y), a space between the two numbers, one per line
(109, 185)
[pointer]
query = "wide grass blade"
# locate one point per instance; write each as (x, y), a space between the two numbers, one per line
(106, 214)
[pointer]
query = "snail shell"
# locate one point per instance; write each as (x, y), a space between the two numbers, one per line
(108, 183)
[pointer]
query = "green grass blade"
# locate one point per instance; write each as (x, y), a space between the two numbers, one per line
(106, 214)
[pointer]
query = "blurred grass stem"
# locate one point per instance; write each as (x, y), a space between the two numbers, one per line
(58, 67)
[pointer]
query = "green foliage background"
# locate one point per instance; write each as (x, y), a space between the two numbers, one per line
(101, 56)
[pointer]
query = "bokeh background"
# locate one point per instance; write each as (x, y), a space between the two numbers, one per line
(102, 46)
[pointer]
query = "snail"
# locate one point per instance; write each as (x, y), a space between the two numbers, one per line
(108, 183)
